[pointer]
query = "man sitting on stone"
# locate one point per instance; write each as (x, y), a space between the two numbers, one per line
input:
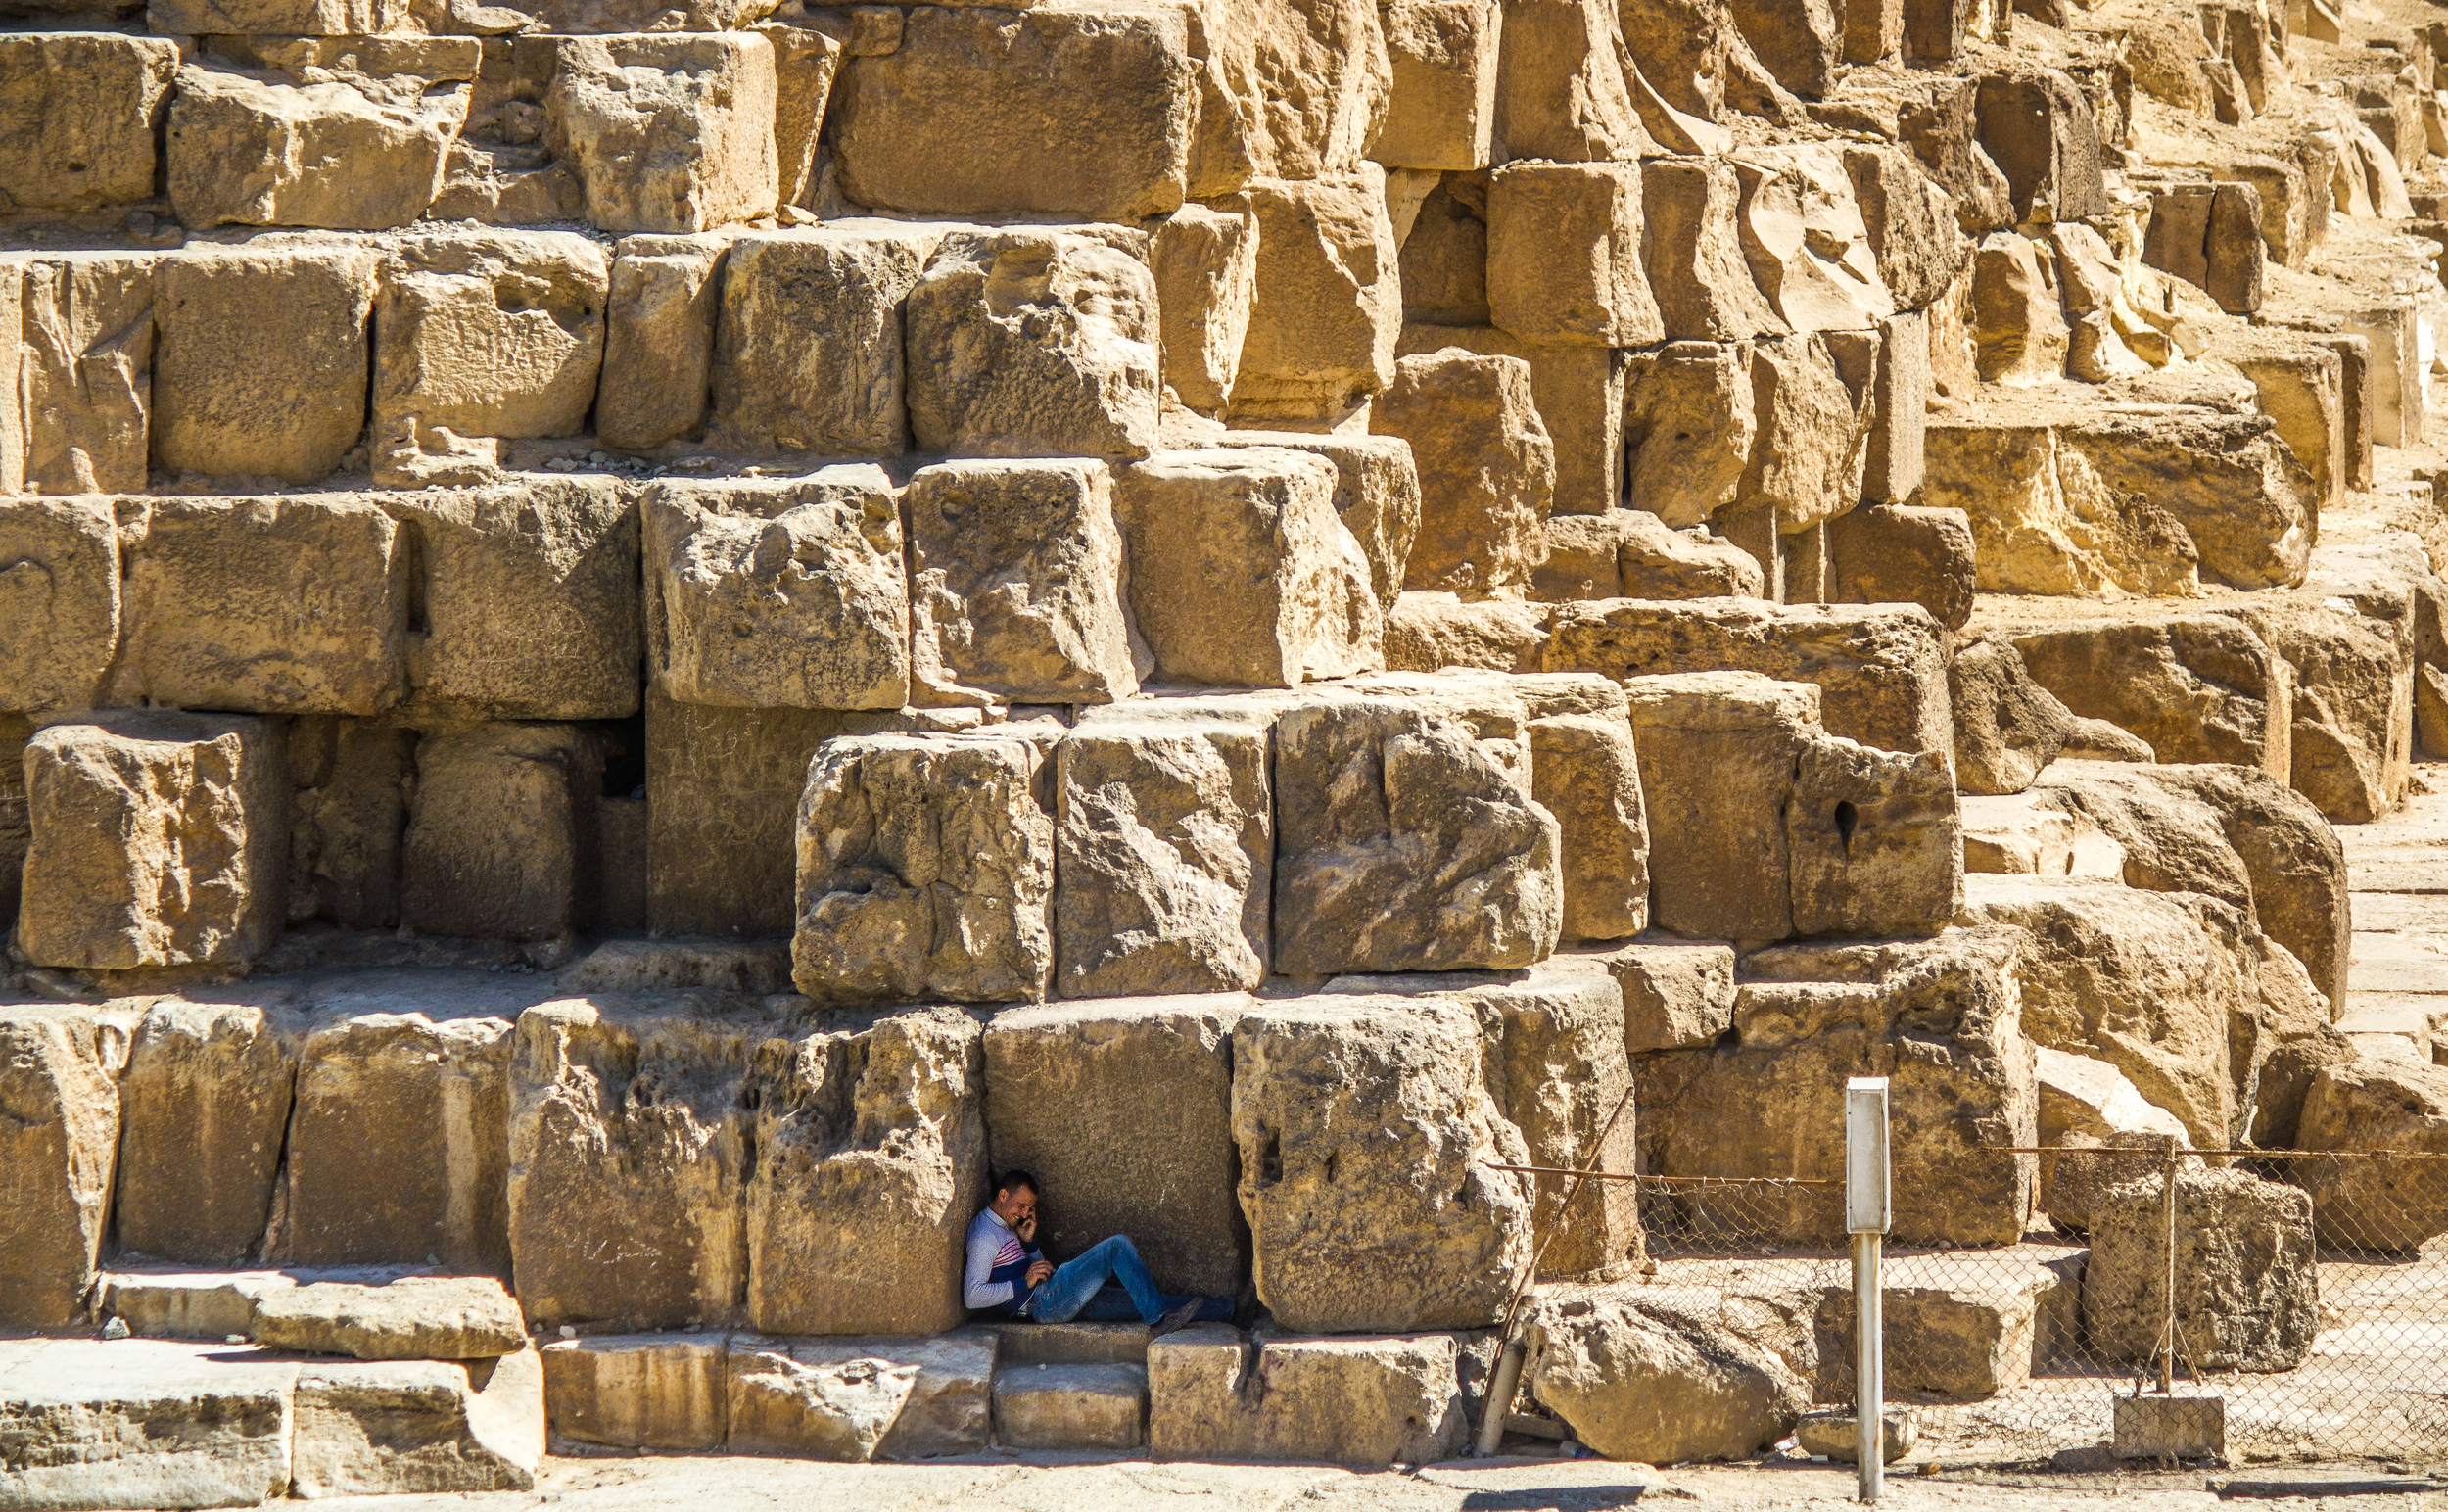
(1109, 1284)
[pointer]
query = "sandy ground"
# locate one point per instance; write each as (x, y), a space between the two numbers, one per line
(1053, 1483)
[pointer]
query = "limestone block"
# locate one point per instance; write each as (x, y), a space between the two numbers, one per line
(1881, 669)
(660, 313)
(276, 17)
(1486, 469)
(204, 1114)
(2374, 1101)
(1564, 255)
(1639, 1384)
(862, 1399)
(1799, 42)
(1163, 850)
(2197, 687)
(502, 839)
(1904, 553)
(505, 185)
(1910, 222)
(870, 1160)
(2039, 129)
(1718, 753)
(925, 870)
(670, 132)
(158, 840)
(2210, 236)
(1810, 1015)
(1561, 92)
(1207, 271)
(2248, 1295)
(2352, 709)
(2008, 728)
(629, 1119)
(1631, 554)
(1329, 302)
(253, 123)
(1808, 461)
(87, 371)
(2089, 1102)
(277, 605)
(149, 1422)
(1803, 237)
(80, 118)
(798, 600)
(2043, 519)
(479, 336)
(1442, 109)
(1444, 255)
(1108, 94)
(1286, 91)
(1875, 841)
(2303, 391)
(1071, 1407)
(723, 792)
(1694, 247)
(1122, 1109)
(1677, 995)
(1896, 460)
(1428, 632)
(2228, 481)
(1363, 1403)
(1974, 1327)
(1240, 572)
(640, 1391)
(1034, 344)
(1690, 426)
(809, 52)
(1017, 573)
(411, 1425)
(58, 1066)
(259, 360)
(529, 592)
(401, 1318)
(60, 595)
(1585, 772)
(1377, 495)
(169, 1304)
(1392, 808)
(2022, 335)
(13, 370)
(1578, 393)
(1352, 1230)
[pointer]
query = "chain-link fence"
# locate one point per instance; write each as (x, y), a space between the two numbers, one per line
(2309, 1298)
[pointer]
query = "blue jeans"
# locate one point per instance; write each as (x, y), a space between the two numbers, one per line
(1077, 1291)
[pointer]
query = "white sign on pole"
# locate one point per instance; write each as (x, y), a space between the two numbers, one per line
(1867, 1209)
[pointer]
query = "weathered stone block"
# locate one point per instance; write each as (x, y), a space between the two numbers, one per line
(1677, 995)
(1903, 553)
(660, 313)
(1690, 424)
(808, 354)
(1329, 302)
(862, 1399)
(503, 832)
(1703, 283)
(1561, 90)
(1718, 753)
(2197, 687)
(1578, 393)
(60, 595)
(1364, 1402)
(396, 1318)
(1206, 269)
(87, 371)
(58, 1070)
(204, 1118)
(1441, 111)
(259, 360)
(158, 839)
(2247, 1297)
(1486, 470)
(1377, 495)
(80, 118)
(1071, 1407)
(1291, 92)
(150, 1421)
(926, 871)
(1564, 255)
(1636, 1383)
(1123, 1109)
(672, 131)
(399, 1426)
(1875, 841)
(640, 1391)
(2039, 129)
(1803, 234)
(1584, 772)
(1429, 631)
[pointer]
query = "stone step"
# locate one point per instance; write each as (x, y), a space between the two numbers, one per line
(2400, 964)
(1075, 1406)
(370, 1311)
(1071, 1343)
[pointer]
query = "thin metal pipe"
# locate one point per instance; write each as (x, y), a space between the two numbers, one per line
(1869, 1370)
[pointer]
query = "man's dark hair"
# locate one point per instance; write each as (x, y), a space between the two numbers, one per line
(1012, 1181)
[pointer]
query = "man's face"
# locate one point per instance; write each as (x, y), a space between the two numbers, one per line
(1016, 1206)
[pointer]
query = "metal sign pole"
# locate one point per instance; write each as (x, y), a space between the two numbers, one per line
(1867, 1214)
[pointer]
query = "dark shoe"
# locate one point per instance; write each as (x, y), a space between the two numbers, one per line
(1175, 1321)
(1246, 1305)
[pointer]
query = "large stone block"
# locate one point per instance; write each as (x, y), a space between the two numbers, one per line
(1646, 1383)
(633, 1142)
(1292, 91)
(1692, 242)
(2377, 1099)
(204, 1118)
(1163, 849)
(158, 839)
(779, 596)
(1881, 669)
(863, 1398)
(1677, 994)
(1631, 554)
(2197, 687)
(1123, 1110)
(1429, 632)
(1363, 1403)
(1810, 1015)
(926, 871)
(1564, 255)
(1903, 554)
(2351, 731)
(481, 336)
(1812, 446)
(2210, 236)
(1441, 111)
(1561, 90)
(149, 1422)
(1804, 236)
(1329, 302)
(502, 837)
(58, 1087)
(2087, 1104)
(1016, 578)
(87, 371)
(399, 1145)
(2248, 1295)
(870, 1160)
(1395, 805)
(1240, 573)
(670, 132)
(640, 1391)
(60, 595)
(1206, 264)
(273, 605)
(660, 309)
(2038, 127)
(1583, 771)
(1093, 113)
(399, 1426)
(1718, 753)
(1875, 841)
(1690, 424)
(391, 1318)
(1354, 1230)
(255, 121)
(259, 360)
(80, 116)
(1026, 343)
(1578, 393)
(1377, 495)
(1486, 470)
(529, 594)
(808, 354)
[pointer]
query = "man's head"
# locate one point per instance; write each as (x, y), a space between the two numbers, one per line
(1015, 1197)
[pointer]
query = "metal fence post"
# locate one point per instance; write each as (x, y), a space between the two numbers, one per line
(1867, 1212)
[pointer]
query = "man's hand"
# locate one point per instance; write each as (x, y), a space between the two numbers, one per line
(1038, 1272)
(1027, 1228)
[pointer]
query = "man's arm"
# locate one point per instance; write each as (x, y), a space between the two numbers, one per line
(975, 1290)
